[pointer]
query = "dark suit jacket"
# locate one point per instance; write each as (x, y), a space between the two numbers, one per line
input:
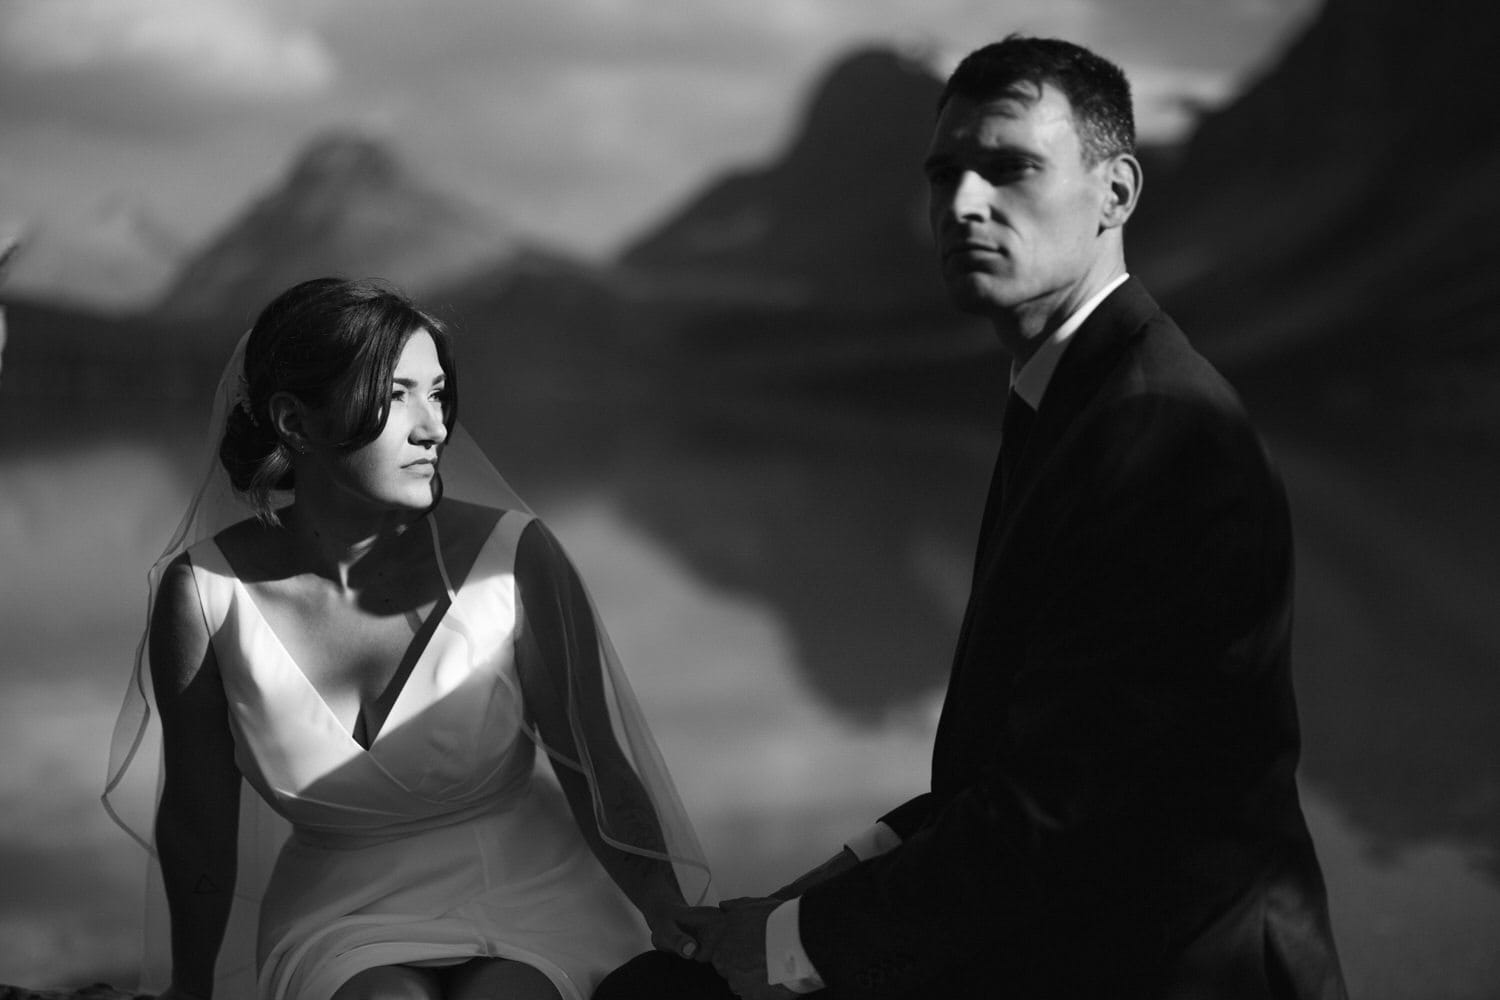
(1113, 810)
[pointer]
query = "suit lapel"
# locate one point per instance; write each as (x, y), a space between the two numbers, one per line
(1093, 353)
(1095, 350)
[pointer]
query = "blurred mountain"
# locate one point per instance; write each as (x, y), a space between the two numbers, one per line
(1340, 222)
(109, 257)
(347, 206)
(838, 219)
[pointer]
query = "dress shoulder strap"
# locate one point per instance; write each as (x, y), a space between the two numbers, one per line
(437, 555)
(499, 545)
(508, 531)
(214, 580)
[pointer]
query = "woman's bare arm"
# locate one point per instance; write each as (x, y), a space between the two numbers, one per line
(559, 647)
(197, 819)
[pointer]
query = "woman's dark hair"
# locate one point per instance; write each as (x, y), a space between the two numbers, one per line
(333, 343)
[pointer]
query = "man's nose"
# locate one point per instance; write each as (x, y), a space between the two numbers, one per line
(971, 197)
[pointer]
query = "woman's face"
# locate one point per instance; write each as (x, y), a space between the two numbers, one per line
(398, 470)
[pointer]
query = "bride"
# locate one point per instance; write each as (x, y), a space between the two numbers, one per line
(358, 640)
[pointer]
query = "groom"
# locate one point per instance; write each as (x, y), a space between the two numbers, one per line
(1113, 811)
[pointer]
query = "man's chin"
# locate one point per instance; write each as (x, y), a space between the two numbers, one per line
(976, 294)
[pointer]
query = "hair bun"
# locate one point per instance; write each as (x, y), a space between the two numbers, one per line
(251, 451)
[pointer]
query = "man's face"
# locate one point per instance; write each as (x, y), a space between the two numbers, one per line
(1015, 211)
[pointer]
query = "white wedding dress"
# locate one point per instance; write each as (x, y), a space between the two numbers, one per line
(447, 839)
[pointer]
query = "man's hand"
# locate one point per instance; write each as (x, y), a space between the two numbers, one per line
(733, 938)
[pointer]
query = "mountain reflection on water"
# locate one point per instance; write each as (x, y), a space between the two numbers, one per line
(784, 581)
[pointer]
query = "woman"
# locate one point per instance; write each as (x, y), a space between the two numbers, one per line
(343, 634)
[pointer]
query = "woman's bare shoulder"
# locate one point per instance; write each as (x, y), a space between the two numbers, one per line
(176, 586)
(179, 641)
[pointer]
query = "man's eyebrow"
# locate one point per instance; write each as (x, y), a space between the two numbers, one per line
(989, 154)
(1010, 151)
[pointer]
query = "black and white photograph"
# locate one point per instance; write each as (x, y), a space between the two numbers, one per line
(569, 499)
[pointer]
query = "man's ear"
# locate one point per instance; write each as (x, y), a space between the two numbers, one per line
(1123, 175)
(289, 415)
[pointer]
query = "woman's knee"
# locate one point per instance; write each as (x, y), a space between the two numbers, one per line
(390, 982)
(489, 978)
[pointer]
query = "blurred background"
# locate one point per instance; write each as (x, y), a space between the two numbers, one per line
(682, 245)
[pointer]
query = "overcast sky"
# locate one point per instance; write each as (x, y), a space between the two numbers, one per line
(579, 121)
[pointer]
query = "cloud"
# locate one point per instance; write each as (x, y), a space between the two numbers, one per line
(134, 63)
(227, 46)
(1168, 99)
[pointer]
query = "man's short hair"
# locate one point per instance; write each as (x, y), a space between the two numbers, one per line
(1094, 86)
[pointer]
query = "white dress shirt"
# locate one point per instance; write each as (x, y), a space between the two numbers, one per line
(1031, 380)
(787, 963)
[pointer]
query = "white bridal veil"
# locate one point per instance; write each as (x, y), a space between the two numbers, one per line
(134, 778)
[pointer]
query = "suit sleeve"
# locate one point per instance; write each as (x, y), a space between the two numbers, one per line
(908, 817)
(1128, 700)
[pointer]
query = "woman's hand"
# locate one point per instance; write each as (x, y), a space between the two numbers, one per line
(667, 919)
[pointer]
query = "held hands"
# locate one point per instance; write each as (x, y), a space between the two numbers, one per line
(733, 939)
(670, 923)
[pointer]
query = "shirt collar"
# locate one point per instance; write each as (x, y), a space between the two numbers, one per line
(1030, 382)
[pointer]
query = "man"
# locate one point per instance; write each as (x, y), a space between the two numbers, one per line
(1113, 811)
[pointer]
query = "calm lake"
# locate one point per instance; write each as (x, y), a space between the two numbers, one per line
(785, 603)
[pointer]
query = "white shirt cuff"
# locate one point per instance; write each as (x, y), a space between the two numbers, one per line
(787, 963)
(873, 841)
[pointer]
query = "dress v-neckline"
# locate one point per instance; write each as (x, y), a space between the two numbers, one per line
(428, 629)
